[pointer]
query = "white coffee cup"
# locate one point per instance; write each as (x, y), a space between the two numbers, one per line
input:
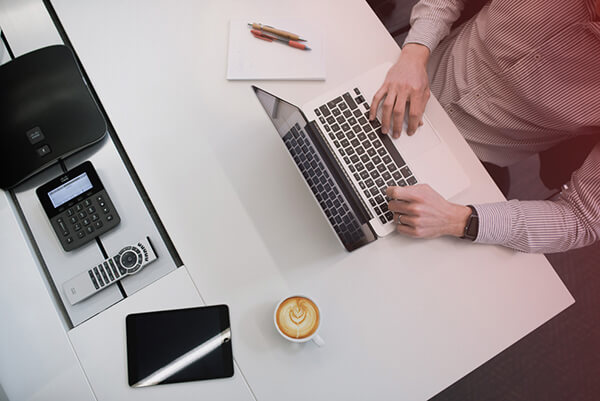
(300, 308)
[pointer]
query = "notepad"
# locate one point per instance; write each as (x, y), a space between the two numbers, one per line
(254, 59)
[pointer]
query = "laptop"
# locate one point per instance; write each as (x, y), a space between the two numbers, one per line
(348, 163)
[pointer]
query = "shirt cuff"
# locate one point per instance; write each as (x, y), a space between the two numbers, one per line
(495, 222)
(421, 33)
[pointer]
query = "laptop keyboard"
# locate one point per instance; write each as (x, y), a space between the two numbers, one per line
(360, 143)
(323, 186)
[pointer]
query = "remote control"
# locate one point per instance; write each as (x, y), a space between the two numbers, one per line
(128, 261)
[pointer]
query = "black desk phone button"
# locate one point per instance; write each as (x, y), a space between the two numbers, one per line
(43, 151)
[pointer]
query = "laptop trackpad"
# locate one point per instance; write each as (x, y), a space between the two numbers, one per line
(423, 140)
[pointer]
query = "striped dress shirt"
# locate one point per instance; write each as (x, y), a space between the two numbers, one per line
(516, 79)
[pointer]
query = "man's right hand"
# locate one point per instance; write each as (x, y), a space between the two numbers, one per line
(406, 82)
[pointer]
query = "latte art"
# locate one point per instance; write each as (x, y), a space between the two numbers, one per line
(297, 317)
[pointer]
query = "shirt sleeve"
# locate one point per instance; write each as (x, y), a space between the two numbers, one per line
(571, 221)
(431, 21)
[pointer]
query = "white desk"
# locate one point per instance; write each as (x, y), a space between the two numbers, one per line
(402, 319)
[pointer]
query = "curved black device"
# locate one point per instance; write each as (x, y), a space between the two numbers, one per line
(46, 113)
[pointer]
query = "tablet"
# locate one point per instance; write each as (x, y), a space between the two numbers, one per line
(181, 345)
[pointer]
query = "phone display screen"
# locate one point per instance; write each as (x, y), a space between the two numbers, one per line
(70, 189)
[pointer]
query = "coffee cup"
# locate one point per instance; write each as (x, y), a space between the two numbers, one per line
(298, 319)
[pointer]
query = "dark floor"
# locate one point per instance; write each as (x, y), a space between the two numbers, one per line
(559, 361)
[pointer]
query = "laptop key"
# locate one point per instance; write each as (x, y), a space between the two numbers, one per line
(357, 113)
(343, 106)
(334, 102)
(335, 127)
(406, 171)
(354, 158)
(347, 113)
(336, 112)
(349, 100)
(345, 127)
(324, 110)
(411, 180)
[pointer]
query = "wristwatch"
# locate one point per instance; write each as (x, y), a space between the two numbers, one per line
(472, 227)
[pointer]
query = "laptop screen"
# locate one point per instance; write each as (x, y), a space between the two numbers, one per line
(322, 175)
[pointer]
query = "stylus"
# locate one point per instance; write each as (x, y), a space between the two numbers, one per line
(186, 359)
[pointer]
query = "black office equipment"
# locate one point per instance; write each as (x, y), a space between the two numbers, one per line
(46, 113)
(78, 206)
(179, 345)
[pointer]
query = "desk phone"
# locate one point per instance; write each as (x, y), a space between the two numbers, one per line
(78, 206)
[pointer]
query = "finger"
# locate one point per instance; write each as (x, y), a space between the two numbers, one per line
(399, 206)
(407, 220)
(415, 113)
(421, 123)
(386, 115)
(406, 230)
(399, 109)
(407, 194)
(376, 100)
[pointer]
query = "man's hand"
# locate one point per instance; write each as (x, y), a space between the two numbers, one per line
(422, 213)
(406, 82)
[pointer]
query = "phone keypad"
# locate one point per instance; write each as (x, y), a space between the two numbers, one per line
(85, 220)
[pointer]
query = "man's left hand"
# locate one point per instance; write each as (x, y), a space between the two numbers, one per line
(423, 213)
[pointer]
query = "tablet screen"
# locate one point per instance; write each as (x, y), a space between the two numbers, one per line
(179, 345)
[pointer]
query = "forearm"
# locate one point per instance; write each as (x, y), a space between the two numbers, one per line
(534, 226)
(431, 21)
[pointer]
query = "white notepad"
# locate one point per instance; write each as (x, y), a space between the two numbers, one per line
(255, 59)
